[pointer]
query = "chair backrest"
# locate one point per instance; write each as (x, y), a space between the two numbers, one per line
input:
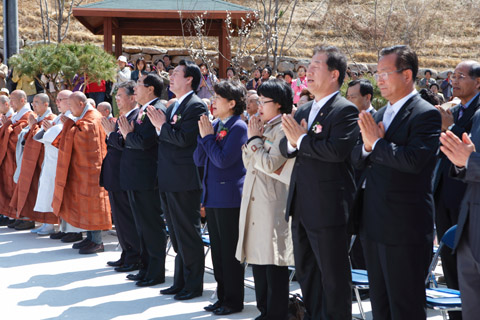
(449, 237)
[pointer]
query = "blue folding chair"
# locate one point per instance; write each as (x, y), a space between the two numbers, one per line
(442, 299)
(359, 282)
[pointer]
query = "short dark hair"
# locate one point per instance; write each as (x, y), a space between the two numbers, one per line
(474, 71)
(366, 87)
(288, 73)
(161, 61)
(169, 56)
(153, 80)
(436, 85)
(232, 90)
(128, 86)
(231, 68)
(429, 71)
(138, 61)
(430, 97)
(279, 91)
(269, 70)
(192, 70)
(336, 60)
(406, 58)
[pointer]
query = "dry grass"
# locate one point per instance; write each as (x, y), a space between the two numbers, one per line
(443, 32)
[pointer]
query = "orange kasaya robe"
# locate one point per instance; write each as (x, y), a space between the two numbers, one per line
(78, 198)
(8, 142)
(25, 194)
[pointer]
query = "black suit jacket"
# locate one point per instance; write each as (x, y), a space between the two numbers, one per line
(138, 165)
(398, 203)
(176, 144)
(110, 173)
(323, 174)
(452, 190)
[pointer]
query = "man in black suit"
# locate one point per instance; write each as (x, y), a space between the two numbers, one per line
(448, 192)
(360, 93)
(321, 137)
(398, 154)
(179, 180)
(138, 168)
(466, 166)
(110, 180)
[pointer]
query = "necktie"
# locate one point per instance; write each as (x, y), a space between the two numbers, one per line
(461, 111)
(388, 117)
(175, 107)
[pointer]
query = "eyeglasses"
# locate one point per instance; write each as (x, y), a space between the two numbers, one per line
(458, 77)
(260, 102)
(384, 75)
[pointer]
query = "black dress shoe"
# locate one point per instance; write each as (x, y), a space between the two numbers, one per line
(72, 237)
(78, 245)
(171, 290)
(25, 225)
(136, 277)
(213, 307)
(187, 295)
(14, 223)
(117, 263)
(57, 235)
(5, 221)
(149, 282)
(223, 311)
(91, 248)
(128, 267)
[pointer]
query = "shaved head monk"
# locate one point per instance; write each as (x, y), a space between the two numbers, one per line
(8, 141)
(78, 198)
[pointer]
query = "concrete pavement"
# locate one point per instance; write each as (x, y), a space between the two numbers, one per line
(45, 279)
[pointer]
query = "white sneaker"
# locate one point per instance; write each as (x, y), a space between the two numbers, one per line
(46, 230)
(36, 229)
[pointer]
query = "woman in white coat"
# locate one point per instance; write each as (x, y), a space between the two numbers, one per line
(265, 240)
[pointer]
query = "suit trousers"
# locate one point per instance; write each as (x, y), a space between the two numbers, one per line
(271, 291)
(444, 219)
(396, 275)
(146, 209)
(228, 271)
(468, 276)
(322, 268)
(182, 212)
(125, 227)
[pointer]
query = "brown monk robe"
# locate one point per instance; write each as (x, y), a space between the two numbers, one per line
(78, 198)
(25, 194)
(8, 141)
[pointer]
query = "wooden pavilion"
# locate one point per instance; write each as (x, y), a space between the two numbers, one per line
(160, 18)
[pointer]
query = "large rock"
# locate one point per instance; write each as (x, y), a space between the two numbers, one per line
(177, 59)
(157, 57)
(132, 49)
(443, 75)
(358, 67)
(154, 50)
(134, 57)
(372, 67)
(285, 66)
(303, 63)
(178, 52)
(421, 73)
(247, 63)
(126, 55)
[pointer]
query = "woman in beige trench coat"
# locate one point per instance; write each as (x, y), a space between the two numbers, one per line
(265, 240)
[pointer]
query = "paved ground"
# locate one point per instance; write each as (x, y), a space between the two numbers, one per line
(45, 279)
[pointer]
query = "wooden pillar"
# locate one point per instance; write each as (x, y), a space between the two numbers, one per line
(107, 34)
(225, 55)
(118, 43)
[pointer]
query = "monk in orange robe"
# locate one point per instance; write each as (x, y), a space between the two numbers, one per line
(8, 141)
(25, 194)
(7, 111)
(78, 197)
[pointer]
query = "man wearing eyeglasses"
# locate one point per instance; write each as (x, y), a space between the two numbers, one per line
(449, 192)
(397, 152)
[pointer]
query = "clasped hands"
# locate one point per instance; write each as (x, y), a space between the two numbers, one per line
(108, 125)
(204, 126)
(370, 130)
(458, 151)
(255, 127)
(293, 130)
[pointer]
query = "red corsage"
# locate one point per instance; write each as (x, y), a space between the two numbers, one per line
(221, 134)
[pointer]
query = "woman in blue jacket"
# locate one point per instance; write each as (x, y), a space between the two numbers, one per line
(219, 151)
